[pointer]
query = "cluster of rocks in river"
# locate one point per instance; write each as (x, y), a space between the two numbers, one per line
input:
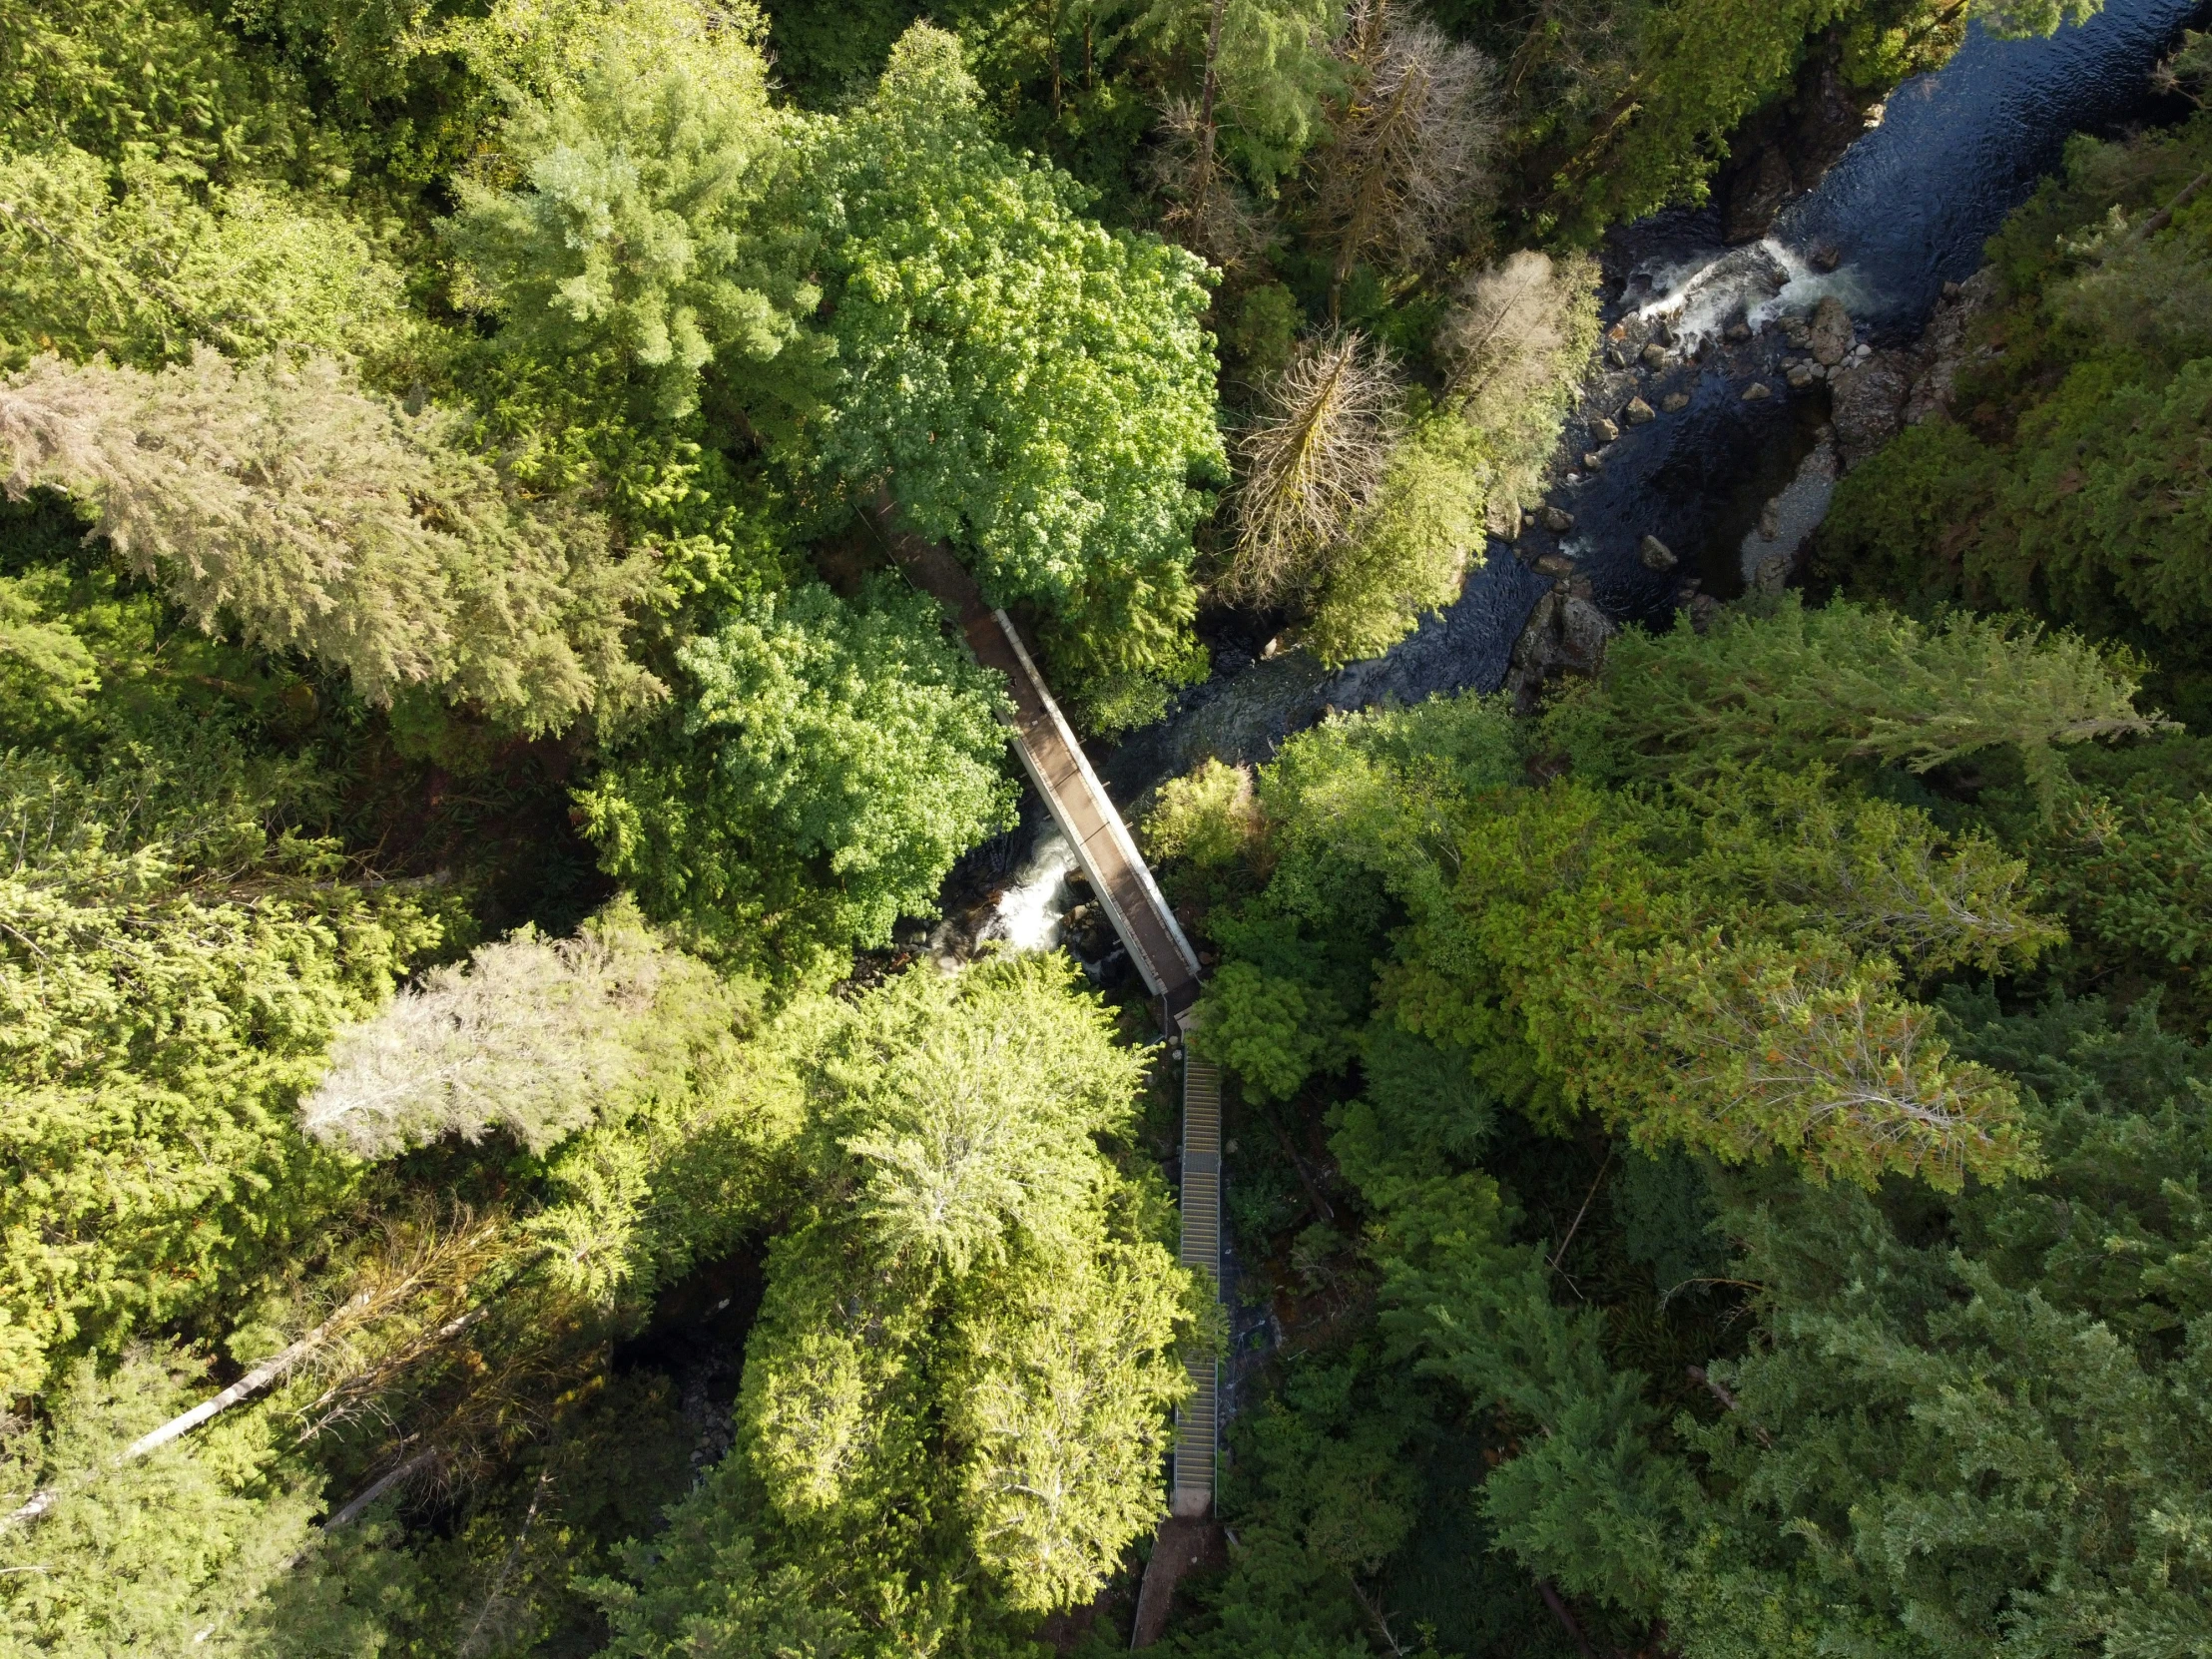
(1902, 386)
(1647, 373)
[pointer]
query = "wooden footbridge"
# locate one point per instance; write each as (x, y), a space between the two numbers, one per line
(1162, 956)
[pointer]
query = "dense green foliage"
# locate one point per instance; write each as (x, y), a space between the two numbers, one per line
(1942, 1396)
(1034, 388)
(177, 955)
(629, 236)
(2069, 483)
(964, 1350)
(831, 763)
(492, 1168)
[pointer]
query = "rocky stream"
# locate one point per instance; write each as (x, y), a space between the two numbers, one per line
(1754, 351)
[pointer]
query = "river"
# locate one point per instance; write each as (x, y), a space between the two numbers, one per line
(1906, 210)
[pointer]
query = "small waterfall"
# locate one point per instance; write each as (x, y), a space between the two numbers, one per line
(1699, 298)
(1906, 210)
(1031, 906)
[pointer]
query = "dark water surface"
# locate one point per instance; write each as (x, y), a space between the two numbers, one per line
(1908, 209)
(1910, 205)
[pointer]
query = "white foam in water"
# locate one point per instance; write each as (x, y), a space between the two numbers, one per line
(1030, 909)
(1699, 299)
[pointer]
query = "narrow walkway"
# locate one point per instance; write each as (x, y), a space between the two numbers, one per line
(1197, 1424)
(1062, 773)
(1087, 817)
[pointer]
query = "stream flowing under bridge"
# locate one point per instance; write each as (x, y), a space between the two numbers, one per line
(1131, 899)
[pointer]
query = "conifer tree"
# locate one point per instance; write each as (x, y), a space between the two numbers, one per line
(1265, 74)
(1847, 683)
(171, 973)
(955, 1399)
(1991, 1432)
(173, 1552)
(632, 233)
(145, 272)
(282, 498)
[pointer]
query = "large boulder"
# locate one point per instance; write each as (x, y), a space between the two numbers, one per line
(1567, 634)
(1944, 345)
(1869, 407)
(1831, 333)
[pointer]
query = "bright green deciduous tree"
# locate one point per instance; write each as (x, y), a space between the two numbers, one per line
(830, 763)
(1035, 390)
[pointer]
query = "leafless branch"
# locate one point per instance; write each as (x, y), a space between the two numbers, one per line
(1412, 148)
(1311, 460)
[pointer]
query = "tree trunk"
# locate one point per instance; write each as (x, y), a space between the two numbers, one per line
(246, 1388)
(378, 1488)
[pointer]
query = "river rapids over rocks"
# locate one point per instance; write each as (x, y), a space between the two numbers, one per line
(1733, 385)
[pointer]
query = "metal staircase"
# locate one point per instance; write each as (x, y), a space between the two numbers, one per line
(1198, 1421)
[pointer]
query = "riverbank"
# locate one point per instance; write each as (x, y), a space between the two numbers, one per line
(1899, 218)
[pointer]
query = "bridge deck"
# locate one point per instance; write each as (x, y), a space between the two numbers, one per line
(1079, 804)
(1062, 773)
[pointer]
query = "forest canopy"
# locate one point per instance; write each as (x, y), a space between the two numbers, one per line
(521, 1136)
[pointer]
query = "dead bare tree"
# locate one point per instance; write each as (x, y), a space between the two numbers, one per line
(1514, 345)
(1312, 461)
(1505, 331)
(533, 1036)
(1575, 40)
(1207, 212)
(1412, 144)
